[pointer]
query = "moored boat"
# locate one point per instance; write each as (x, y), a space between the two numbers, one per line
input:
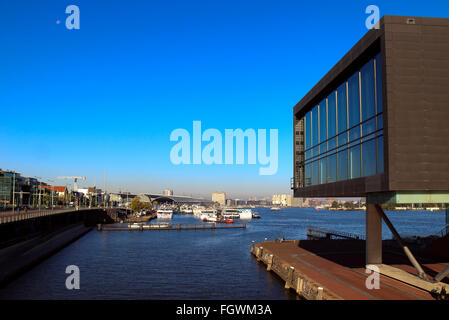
(165, 214)
(231, 213)
(246, 214)
(209, 215)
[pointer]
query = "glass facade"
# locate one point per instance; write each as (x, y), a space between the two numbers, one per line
(344, 132)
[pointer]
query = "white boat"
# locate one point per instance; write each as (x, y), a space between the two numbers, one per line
(209, 215)
(246, 214)
(156, 226)
(231, 213)
(186, 209)
(197, 211)
(275, 208)
(165, 214)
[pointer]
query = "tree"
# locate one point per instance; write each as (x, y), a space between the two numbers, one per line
(137, 205)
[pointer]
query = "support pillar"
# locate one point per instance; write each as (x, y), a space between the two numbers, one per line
(373, 235)
(447, 219)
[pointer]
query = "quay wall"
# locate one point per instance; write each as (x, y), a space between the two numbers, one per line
(26, 242)
(20, 257)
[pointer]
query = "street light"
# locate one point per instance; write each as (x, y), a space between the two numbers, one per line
(40, 188)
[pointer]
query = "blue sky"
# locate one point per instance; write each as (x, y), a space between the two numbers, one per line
(107, 96)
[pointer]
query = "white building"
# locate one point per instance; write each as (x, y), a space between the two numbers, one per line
(286, 200)
(219, 197)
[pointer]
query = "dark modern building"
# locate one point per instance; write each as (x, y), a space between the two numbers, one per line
(377, 124)
(25, 190)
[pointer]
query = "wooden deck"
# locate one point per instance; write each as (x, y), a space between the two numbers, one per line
(335, 270)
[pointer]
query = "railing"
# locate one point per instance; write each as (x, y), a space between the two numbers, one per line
(444, 231)
(14, 217)
(318, 233)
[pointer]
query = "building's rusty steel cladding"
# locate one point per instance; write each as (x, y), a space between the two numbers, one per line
(415, 82)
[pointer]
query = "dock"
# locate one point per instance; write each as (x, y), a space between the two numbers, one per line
(161, 227)
(314, 233)
(335, 270)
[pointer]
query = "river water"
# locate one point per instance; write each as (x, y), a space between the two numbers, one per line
(192, 264)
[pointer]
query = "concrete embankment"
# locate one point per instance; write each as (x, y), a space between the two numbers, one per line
(20, 257)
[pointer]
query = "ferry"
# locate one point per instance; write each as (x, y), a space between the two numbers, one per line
(186, 209)
(209, 215)
(246, 214)
(197, 211)
(231, 213)
(165, 214)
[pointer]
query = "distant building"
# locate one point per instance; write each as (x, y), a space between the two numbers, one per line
(25, 189)
(286, 200)
(167, 192)
(219, 197)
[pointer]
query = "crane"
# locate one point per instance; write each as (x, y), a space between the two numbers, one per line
(75, 185)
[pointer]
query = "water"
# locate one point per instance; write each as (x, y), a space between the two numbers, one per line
(201, 264)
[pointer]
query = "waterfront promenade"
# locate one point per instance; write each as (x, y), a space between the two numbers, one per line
(9, 216)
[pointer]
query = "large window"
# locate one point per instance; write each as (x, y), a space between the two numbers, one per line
(344, 132)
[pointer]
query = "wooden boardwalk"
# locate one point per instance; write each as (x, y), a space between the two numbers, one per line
(335, 270)
(161, 227)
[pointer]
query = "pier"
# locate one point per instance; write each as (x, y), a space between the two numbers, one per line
(158, 227)
(335, 270)
(319, 234)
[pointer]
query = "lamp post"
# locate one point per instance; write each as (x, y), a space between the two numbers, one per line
(13, 192)
(39, 194)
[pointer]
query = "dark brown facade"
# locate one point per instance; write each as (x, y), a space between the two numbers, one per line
(415, 95)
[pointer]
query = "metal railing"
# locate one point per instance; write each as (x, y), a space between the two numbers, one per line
(31, 214)
(313, 232)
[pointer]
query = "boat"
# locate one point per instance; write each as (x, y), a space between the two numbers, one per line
(256, 216)
(231, 213)
(275, 208)
(156, 226)
(209, 215)
(165, 214)
(184, 209)
(246, 214)
(197, 211)
(225, 220)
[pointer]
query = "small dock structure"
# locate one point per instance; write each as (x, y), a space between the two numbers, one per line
(314, 233)
(168, 226)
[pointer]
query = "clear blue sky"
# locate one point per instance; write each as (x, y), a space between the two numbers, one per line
(106, 97)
